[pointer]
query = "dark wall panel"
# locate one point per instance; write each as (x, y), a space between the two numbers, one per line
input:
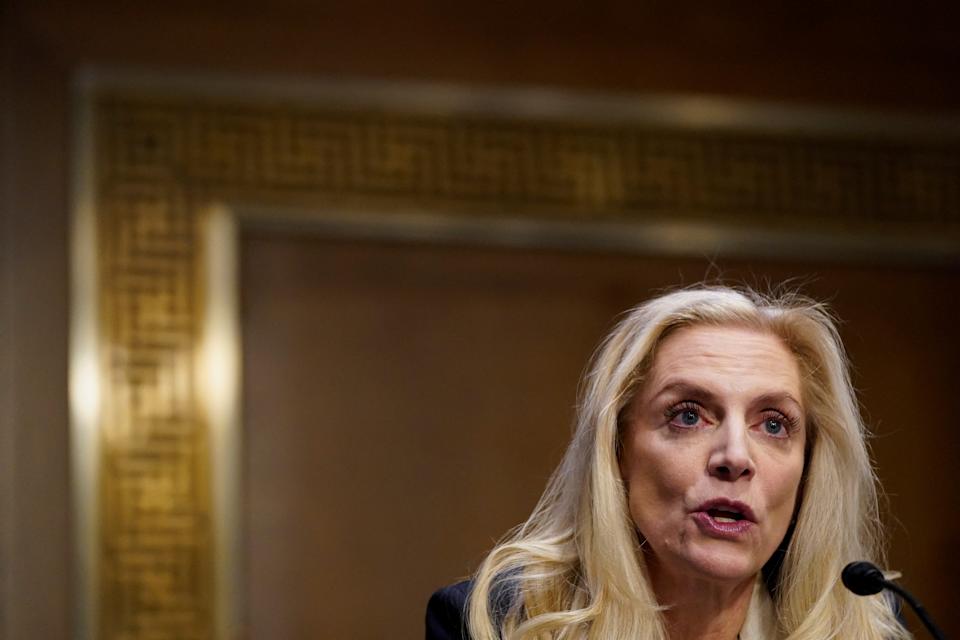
(404, 406)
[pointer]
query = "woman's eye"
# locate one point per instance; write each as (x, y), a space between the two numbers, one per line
(776, 425)
(684, 416)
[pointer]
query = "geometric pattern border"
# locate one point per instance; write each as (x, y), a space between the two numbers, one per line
(161, 159)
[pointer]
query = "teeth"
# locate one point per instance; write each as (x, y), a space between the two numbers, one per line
(724, 519)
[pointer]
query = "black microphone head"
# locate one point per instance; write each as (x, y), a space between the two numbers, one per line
(863, 578)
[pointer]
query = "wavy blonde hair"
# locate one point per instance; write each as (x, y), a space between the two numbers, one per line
(574, 569)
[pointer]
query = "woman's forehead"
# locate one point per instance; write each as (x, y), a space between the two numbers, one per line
(724, 360)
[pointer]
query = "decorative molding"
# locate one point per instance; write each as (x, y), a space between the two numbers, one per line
(162, 158)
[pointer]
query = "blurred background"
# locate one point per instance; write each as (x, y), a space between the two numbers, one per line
(406, 393)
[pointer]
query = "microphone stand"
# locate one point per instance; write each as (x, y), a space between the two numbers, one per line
(864, 579)
(917, 608)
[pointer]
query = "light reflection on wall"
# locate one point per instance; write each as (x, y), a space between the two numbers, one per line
(84, 383)
(218, 386)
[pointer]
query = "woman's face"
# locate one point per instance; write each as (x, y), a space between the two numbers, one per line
(713, 452)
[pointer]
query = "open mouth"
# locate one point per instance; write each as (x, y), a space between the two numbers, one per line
(725, 516)
(724, 511)
(725, 519)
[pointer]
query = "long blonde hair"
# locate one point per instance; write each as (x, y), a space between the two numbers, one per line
(574, 569)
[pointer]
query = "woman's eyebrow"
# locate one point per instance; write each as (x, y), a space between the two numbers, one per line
(686, 390)
(777, 398)
(693, 391)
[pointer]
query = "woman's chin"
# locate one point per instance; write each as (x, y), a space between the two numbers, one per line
(706, 560)
(723, 563)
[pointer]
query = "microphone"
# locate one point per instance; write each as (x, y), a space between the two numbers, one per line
(865, 579)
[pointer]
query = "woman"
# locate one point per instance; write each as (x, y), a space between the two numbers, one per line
(717, 483)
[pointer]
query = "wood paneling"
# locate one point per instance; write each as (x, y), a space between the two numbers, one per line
(405, 404)
(163, 158)
(842, 53)
(902, 58)
(35, 519)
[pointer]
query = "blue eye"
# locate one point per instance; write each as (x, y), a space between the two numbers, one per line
(774, 426)
(685, 415)
(777, 424)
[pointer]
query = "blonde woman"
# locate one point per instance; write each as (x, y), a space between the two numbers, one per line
(717, 483)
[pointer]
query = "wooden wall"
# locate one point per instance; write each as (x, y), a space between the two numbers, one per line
(404, 405)
(810, 52)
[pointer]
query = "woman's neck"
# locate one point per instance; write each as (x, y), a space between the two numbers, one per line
(702, 609)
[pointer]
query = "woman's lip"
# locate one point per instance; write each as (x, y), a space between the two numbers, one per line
(726, 530)
(726, 504)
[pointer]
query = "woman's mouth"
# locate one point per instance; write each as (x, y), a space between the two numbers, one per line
(723, 518)
(722, 515)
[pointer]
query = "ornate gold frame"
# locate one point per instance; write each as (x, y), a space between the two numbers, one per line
(166, 169)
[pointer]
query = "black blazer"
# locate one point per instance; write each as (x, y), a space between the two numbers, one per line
(446, 613)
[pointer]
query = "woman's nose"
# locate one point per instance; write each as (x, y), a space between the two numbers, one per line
(730, 459)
